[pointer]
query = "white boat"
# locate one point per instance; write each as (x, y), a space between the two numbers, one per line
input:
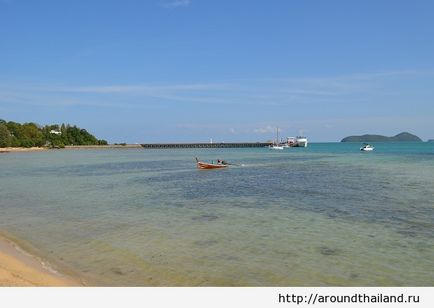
(367, 147)
(290, 141)
(298, 141)
(276, 145)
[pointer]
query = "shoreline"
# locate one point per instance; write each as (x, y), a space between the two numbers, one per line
(12, 149)
(140, 146)
(18, 268)
(70, 147)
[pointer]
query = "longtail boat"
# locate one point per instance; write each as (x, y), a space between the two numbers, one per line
(202, 165)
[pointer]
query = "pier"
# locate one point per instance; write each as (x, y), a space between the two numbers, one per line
(205, 145)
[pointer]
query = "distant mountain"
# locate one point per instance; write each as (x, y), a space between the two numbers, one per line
(378, 138)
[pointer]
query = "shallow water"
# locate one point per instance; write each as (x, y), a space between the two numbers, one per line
(325, 215)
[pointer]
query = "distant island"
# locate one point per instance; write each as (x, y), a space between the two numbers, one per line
(406, 137)
(30, 135)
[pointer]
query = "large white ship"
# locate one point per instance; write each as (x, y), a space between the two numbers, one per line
(299, 141)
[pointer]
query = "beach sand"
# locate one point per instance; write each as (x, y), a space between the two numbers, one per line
(32, 149)
(73, 147)
(18, 268)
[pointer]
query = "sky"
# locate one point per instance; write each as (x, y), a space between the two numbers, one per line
(194, 70)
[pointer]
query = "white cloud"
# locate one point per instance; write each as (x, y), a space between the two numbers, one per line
(264, 130)
(271, 93)
(176, 4)
(144, 89)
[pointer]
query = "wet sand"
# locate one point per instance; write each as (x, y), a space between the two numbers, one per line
(18, 268)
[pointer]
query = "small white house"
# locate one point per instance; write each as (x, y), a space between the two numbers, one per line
(56, 132)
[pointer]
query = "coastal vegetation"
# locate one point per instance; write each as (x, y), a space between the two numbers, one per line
(13, 134)
(406, 137)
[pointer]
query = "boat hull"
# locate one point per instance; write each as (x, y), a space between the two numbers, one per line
(202, 165)
(301, 142)
(297, 142)
(367, 147)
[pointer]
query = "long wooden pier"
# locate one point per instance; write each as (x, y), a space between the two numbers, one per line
(205, 145)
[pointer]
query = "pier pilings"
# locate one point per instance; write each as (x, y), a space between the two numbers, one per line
(205, 145)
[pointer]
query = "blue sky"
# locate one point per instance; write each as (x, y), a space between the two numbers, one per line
(190, 70)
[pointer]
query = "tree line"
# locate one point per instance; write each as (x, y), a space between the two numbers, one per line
(28, 135)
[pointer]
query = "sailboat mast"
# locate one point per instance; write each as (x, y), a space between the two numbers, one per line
(277, 136)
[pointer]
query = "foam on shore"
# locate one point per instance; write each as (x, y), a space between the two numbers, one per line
(19, 268)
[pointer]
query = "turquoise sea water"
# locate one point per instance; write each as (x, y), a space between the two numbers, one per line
(324, 215)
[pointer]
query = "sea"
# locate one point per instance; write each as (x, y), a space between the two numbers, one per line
(325, 215)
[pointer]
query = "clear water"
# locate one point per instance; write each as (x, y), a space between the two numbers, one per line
(325, 215)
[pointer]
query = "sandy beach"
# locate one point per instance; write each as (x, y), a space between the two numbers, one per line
(18, 268)
(11, 149)
(73, 147)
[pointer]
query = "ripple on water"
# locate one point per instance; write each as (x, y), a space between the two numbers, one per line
(294, 218)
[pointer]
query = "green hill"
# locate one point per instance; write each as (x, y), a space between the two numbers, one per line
(28, 135)
(406, 137)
